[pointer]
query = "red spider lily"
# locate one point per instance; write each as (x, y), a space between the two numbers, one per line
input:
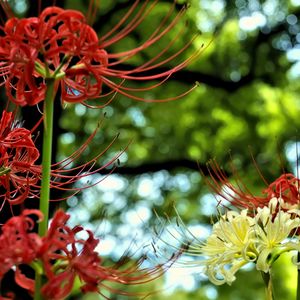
(20, 175)
(61, 245)
(18, 156)
(18, 245)
(65, 257)
(285, 188)
(77, 258)
(59, 44)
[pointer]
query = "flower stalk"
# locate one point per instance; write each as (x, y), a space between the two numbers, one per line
(38, 284)
(47, 154)
(46, 170)
(268, 284)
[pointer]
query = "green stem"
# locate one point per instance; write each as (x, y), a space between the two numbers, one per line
(46, 169)
(298, 280)
(47, 153)
(268, 283)
(38, 284)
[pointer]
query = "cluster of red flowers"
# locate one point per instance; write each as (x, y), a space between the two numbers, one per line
(73, 257)
(60, 45)
(18, 156)
(20, 174)
(286, 188)
(34, 49)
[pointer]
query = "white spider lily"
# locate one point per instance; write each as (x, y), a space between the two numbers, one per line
(229, 247)
(273, 231)
(237, 239)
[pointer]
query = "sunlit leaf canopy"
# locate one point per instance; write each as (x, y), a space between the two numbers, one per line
(245, 109)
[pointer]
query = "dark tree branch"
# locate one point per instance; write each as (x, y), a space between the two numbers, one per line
(191, 76)
(170, 166)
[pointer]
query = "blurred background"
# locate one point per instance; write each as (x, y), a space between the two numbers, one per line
(246, 107)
